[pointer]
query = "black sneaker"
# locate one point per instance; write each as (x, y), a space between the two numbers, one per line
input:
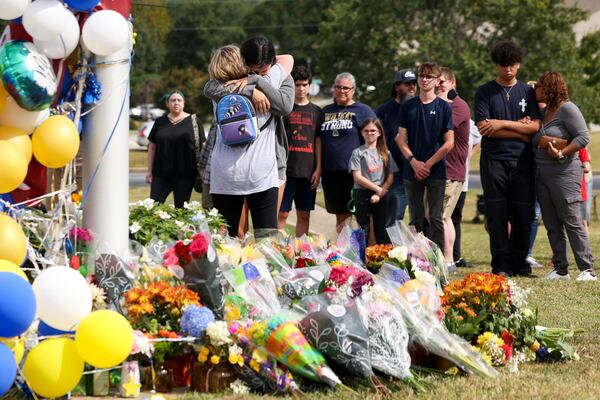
(462, 263)
(502, 273)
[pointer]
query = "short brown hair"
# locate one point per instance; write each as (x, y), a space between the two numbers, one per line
(429, 68)
(555, 88)
(447, 73)
(227, 63)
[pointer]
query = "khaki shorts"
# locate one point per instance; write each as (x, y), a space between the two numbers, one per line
(451, 195)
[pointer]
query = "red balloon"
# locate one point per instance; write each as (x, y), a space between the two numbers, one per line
(123, 7)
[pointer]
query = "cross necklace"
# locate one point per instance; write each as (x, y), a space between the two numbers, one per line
(507, 92)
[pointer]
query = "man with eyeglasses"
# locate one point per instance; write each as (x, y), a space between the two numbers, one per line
(507, 115)
(403, 88)
(425, 136)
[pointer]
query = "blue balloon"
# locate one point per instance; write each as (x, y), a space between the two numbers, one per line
(82, 5)
(8, 368)
(46, 330)
(17, 304)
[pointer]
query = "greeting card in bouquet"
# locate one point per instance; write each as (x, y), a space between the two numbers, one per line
(112, 276)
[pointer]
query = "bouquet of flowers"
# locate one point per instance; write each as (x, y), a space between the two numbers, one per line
(198, 258)
(253, 283)
(306, 255)
(79, 245)
(376, 255)
(149, 219)
(347, 281)
(426, 329)
(494, 350)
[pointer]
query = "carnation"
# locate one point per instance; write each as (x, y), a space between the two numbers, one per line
(218, 333)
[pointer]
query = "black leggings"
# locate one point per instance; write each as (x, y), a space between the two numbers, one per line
(366, 209)
(262, 206)
(181, 186)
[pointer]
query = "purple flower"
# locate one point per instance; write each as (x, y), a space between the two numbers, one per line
(195, 319)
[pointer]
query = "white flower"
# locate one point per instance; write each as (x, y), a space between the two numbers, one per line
(179, 224)
(98, 297)
(163, 214)
(218, 333)
(135, 227)
(235, 350)
(400, 253)
(239, 387)
(148, 204)
(424, 276)
(192, 205)
(213, 212)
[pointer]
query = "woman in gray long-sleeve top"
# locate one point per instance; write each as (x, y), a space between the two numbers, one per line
(558, 177)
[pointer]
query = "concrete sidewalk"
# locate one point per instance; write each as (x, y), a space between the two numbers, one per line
(321, 222)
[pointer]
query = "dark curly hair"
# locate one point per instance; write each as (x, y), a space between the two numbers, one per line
(555, 88)
(506, 52)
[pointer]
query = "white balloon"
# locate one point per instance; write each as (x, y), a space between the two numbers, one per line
(44, 19)
(105, 32)
(11, 9)
(13, 115)
(63, 297)
(62, 45)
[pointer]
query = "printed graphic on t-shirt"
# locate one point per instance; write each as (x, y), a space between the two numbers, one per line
(303, 132)
(335, 122)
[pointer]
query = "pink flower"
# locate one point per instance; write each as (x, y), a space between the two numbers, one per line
(340, 275)
(170, 257)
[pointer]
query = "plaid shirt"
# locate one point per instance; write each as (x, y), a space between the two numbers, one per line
(206, 153)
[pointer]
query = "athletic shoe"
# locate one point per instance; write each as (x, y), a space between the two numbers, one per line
(587, 275)
(555, 275)
(504, 274)
(533, 262)
(462, 263)
(451, 268)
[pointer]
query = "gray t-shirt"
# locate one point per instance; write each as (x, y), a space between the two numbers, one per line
(242, 170)
(568, 123)
(370, 165)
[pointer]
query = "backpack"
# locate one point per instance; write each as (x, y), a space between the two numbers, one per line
(236, 120)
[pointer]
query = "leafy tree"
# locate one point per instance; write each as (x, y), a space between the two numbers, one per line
(589, 60)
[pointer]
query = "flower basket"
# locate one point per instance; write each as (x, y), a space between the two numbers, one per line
(219, 377)
(182, 369)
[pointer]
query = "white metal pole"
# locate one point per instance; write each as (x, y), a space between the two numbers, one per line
(106, 208)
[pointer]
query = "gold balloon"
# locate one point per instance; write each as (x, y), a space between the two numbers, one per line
(13, 167)
(13, 243)
(7, 266)
(53, 367)
(19, 138)
(3, 96)
(55, 142)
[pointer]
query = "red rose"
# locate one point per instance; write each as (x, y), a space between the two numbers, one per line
(507, 351)
(199, 246)
(183, 251)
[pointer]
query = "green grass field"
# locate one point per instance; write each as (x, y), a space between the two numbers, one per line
(559, 304)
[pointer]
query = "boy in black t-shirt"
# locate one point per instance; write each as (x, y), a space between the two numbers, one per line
(507, 115)
(303, 127)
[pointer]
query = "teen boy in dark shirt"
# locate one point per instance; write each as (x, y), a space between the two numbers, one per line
(507, 115)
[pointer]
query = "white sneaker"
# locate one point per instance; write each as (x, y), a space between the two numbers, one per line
(533, 262)
(587, 275)
(555, 275)
(451, 268)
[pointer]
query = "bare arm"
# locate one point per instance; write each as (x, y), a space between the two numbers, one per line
(524, 127)
(287, 62)
(316, 175)
(418, 166)
(151, 151)
(364, 182)
(442, 151)
(282, 99)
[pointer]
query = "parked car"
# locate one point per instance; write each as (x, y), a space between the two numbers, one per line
(142, 134)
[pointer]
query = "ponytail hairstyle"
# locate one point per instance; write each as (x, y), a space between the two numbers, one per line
(382, 148)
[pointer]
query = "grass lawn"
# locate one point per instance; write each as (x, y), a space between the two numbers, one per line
(559, 304)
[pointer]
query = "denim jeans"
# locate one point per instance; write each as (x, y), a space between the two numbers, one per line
(534, 227)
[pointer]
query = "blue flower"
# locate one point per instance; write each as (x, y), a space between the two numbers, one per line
(195, 319)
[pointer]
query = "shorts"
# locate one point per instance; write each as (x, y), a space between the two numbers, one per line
(451, 195)
(337, 188)
(298, 190)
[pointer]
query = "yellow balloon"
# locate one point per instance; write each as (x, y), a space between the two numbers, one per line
(13, 243)
(3, 96)
(13, 167)
(55, 142)
(104, 338)
(19, 138)
(53, 367)
(16, 345)
(7, 266)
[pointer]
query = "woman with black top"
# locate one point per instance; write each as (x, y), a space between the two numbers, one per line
(172, 152)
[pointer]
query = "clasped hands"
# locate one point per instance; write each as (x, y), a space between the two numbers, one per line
(379, 194)
(422, 169)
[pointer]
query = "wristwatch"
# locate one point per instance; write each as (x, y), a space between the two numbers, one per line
(410, 158)
(561, 157)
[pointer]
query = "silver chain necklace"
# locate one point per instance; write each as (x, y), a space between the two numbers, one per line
(507, 92)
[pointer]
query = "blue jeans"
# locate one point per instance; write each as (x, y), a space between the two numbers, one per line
(396, 200)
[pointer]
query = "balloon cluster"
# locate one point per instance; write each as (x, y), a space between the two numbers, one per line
(61, 298)
(29, 84)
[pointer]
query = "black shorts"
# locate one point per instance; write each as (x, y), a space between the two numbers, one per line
(298, 190)
(337, 188)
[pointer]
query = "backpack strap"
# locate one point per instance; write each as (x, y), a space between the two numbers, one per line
(196, 140)
(262, 128)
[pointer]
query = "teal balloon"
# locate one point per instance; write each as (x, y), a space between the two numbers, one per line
(27, 75)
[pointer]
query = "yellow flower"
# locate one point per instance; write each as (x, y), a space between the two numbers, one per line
(254, 365)
(535, 346)
(215, 359)
(205, 351)
(240, 361)
(232, 359)
(202, 358)
(259, 356)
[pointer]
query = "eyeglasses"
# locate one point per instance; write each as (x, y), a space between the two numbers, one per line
(343, 88)
(428, 77)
